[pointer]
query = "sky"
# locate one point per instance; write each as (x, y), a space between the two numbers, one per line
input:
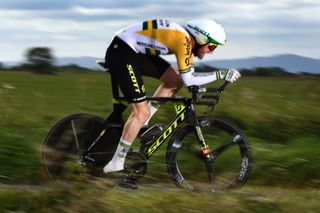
(73, 28)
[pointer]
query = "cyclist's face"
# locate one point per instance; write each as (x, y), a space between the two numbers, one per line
(205, 49)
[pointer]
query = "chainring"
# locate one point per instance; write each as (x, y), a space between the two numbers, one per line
(135, 166)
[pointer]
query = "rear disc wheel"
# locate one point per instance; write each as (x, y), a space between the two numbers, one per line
(65, 143)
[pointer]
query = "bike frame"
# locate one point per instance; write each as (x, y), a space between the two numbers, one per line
(185, 113)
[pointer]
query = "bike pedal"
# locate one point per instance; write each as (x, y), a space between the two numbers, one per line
(127, 183)
(89, 159)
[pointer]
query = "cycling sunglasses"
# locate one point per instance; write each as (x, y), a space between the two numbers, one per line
(212, 46)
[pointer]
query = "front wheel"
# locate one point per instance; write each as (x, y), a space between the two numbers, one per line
(226, 165)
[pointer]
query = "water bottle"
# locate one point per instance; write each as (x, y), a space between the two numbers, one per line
(150, 134)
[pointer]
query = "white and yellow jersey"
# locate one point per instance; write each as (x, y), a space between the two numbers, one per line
(160, 37)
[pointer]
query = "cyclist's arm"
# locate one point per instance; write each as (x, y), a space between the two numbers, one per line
(185, 59)
(185, 63)
(188, 75)
(198, 78)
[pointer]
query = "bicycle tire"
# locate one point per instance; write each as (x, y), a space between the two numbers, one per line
(231, 162)
(68, 139)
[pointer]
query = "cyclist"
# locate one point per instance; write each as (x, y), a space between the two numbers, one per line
(134, 52)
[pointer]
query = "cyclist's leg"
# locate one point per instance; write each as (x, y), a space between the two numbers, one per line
(112, 54)
(125, 68)
(171, 83)
(140, 113)
(159, 68)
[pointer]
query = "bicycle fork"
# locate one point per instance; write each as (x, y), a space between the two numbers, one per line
(208, 158)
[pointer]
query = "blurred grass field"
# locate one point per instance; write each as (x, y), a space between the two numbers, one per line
(280, 116)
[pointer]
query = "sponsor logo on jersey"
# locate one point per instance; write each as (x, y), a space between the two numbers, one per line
(187, 44)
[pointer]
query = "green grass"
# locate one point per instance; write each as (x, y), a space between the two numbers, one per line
(156, 198)
(280, 116)
(275, 109)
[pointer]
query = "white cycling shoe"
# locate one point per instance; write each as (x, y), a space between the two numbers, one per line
(114, 166)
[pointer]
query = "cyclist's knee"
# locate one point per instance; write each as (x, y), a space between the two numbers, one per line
(142, 116)
(171, 76)
(141, 113)
(173, 86)
(177, 85)
(172, 81)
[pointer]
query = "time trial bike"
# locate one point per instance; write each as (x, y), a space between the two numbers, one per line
(204, 153)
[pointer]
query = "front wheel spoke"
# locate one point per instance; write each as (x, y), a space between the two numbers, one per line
(229, 143)
(75, 134)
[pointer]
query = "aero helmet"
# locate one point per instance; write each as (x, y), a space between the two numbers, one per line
(206, 31)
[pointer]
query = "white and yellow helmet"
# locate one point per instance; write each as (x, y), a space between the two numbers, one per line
(206, 31)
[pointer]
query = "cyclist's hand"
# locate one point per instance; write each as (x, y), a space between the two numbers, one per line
(230, 75)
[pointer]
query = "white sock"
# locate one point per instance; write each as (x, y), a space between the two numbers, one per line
(153, 106)
(117, 162)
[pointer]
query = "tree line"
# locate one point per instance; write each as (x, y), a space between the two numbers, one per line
(38, 59)
(41, 60)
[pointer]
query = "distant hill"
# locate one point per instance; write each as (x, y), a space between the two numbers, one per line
(289, 62)
(86, 62)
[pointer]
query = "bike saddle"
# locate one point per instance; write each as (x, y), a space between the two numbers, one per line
(103, 64)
